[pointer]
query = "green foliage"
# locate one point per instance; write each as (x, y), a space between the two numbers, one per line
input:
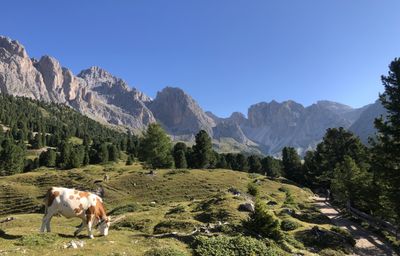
(168, 226)
(241, 163)
(164, 252)
(203, 154)
(11, 158)
(263, 222)
(48, 158)
(288, 225)
(254, 163)
(155, 148)
(271, 166)
(129, 160)
(252, 189)
(177, 209)
(323, 239)
(232, 246)
(349, 182)
(292, 164)
(179, 153)
(124, 209)
(386, 149)
(331, 252)
(345, 233)
(335, 146)
(43, 124)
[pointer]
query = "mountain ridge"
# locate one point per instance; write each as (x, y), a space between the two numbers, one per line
(106, 98)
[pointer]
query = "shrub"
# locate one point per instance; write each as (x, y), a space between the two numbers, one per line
(263, 222)
(176, 209)
(173, 225)
(330, 252)
(164, 252)
(323, 239)
(252, 189)
(288, 225)
(345, 233)
(124, 209)
(232, 246)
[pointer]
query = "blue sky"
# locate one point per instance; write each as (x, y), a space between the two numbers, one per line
(227, 54)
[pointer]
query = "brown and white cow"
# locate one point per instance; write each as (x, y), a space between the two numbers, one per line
(73, 203)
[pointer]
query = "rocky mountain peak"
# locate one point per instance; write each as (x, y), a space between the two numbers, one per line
(13, 47)
(179, 113)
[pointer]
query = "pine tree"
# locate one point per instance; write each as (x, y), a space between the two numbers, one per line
(155, 148)
(48, 158)
(113, 153)
(254, 164)
(129, 160)
(241, 162)
(202, 151)
(386, 147)
(350, 183)
(292, 164)
(12, 158)
(271, 166)
(179, 153)
(222, 163)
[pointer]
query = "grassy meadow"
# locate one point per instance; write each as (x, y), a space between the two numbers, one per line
(146, 204)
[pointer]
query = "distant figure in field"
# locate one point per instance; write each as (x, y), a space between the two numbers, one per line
(106, 178)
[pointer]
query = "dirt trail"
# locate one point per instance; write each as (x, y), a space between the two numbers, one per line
(368, 244)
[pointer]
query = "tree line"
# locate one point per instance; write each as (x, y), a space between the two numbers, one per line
(33, 125)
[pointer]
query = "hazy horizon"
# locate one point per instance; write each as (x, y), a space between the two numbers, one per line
(218, 52)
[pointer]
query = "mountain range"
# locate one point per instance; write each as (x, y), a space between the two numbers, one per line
(96, 93)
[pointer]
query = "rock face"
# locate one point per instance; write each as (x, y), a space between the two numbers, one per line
(100, 95)
(18, 76)
(179, 113)
(94, 92)
(364, 125)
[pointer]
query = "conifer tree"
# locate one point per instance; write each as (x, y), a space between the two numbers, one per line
(156, 147)
(203, 154)
(254, 164)
(386, 147)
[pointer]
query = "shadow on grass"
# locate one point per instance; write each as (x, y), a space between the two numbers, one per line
(6, 236)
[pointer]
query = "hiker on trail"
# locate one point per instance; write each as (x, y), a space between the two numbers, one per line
(328, 194)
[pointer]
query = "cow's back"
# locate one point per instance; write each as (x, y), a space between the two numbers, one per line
(70, 202)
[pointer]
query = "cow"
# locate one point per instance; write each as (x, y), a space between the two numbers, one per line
(74, 203)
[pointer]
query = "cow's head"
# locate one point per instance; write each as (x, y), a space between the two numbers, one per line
(104, 225)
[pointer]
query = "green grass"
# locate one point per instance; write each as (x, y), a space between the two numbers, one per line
(168, 201)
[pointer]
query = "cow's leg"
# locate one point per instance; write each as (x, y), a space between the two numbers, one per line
(90, 220)
(80, 228)
(46, 222)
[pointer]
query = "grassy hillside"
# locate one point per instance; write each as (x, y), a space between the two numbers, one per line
(145, 204)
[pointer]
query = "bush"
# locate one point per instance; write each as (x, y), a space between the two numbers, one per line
(330, 252)
(253, 189)
(124, 209)
(263, 222)
(176, 209)
(288, 225)
(232, 246)
(164, 252)
(323, 239)
(345, 233)
(168, 226)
